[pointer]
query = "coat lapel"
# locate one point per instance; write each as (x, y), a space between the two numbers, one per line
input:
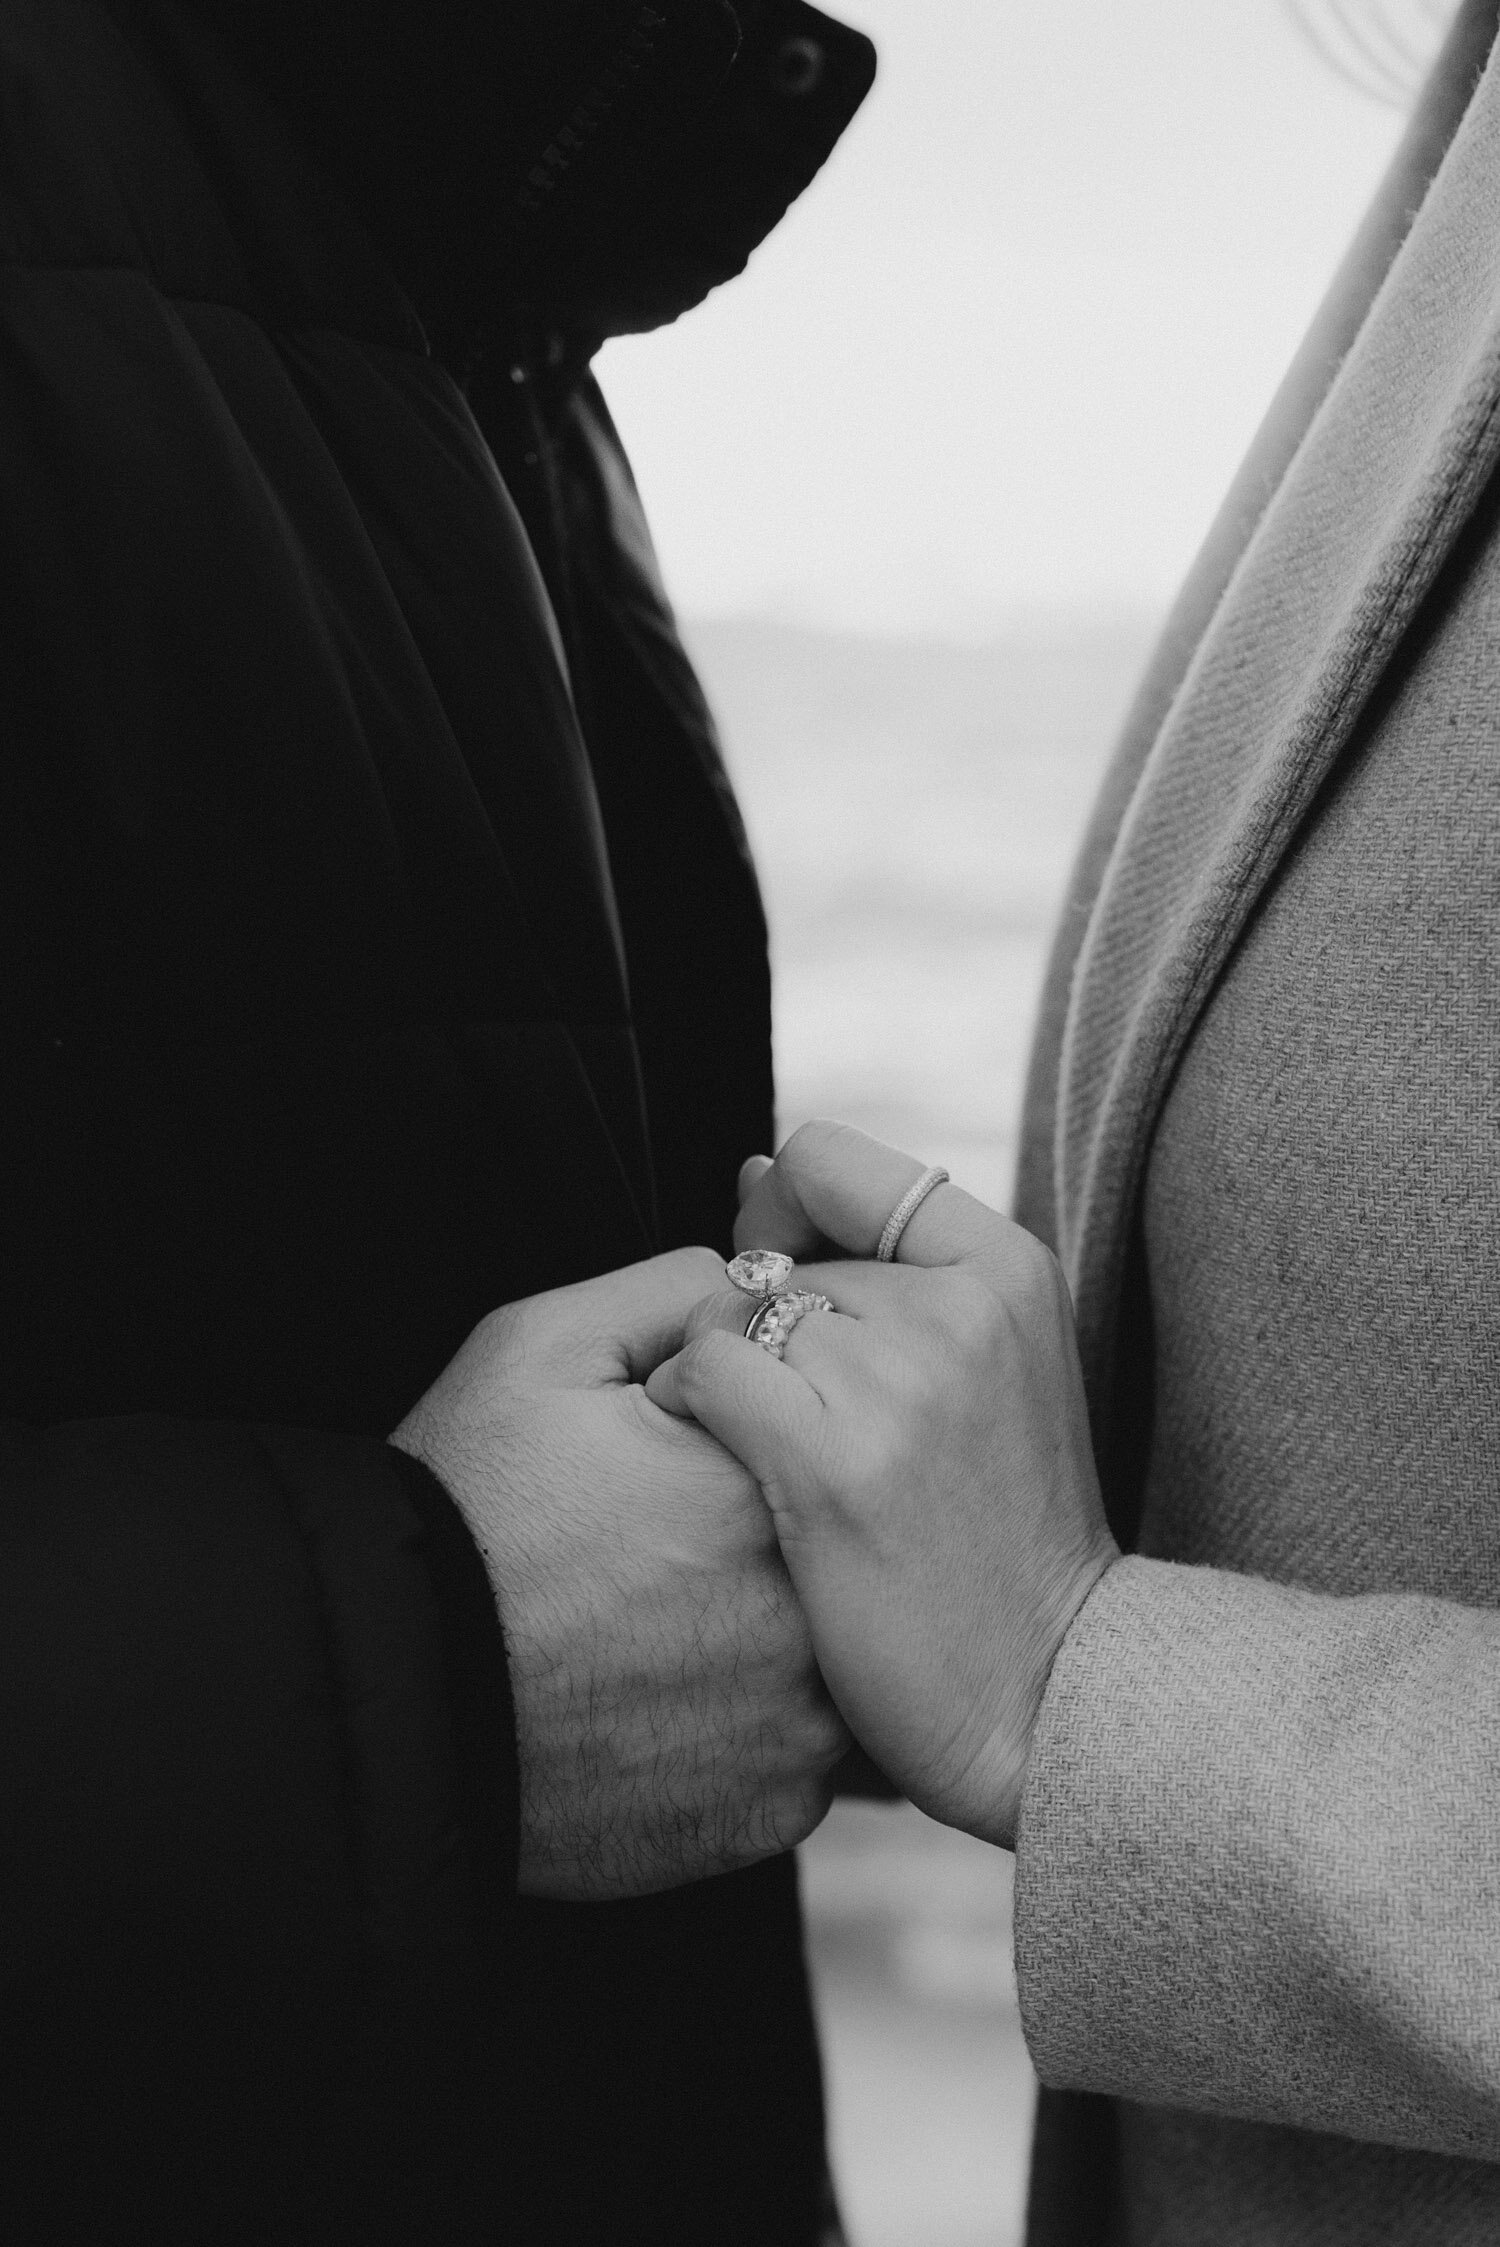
(1368, 510)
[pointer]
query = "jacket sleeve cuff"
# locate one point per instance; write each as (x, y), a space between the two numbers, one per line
(258, 1774)
(1258, 1870)
(488, 1773)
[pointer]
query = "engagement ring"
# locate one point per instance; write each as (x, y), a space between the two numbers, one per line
(761, 1272)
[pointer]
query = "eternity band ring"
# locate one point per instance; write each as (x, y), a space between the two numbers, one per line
(771, 1323)
(904, 1211)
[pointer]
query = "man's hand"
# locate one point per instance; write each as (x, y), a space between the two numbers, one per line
(671, 1718)
(925, 1451)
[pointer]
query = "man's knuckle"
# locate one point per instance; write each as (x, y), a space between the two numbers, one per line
(498, 1327)
(701, 1264)
(647, 1416)
(829, 1739)
(699, 1365)
(805, 1809)
(690, 1272)
(690, 1365)
(780, 1822)
(703, 1318)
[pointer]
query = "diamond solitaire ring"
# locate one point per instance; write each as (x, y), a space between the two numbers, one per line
(761, 1272)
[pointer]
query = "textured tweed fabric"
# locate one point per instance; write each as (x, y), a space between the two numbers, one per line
(1443, 103)
(1366, 516)
(1259, 1877)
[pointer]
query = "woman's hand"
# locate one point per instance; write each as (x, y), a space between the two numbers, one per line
(925, 1451)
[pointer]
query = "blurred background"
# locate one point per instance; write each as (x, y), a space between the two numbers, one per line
(923, 483)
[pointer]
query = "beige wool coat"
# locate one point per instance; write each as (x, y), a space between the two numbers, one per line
(1258, 1893)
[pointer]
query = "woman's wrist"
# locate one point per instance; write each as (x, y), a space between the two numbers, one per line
(988, 1800)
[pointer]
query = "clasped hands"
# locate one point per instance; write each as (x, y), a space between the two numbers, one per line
(713, 1569)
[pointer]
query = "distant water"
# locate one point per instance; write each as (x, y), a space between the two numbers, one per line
(915, 809)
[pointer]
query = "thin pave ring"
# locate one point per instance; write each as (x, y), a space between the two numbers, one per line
(904, 1211)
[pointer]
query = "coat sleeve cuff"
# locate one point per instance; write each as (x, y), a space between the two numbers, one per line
(1258, 1868)
(488, 1773)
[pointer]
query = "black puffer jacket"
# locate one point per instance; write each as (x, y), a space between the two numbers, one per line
(348, 985)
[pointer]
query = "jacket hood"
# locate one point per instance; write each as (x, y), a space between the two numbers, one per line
(583, 166)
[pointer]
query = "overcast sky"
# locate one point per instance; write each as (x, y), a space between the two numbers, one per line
(1008, 350)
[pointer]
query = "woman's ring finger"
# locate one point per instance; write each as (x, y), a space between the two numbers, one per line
(772, 1324)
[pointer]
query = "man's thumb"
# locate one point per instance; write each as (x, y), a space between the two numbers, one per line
(760, 1410)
